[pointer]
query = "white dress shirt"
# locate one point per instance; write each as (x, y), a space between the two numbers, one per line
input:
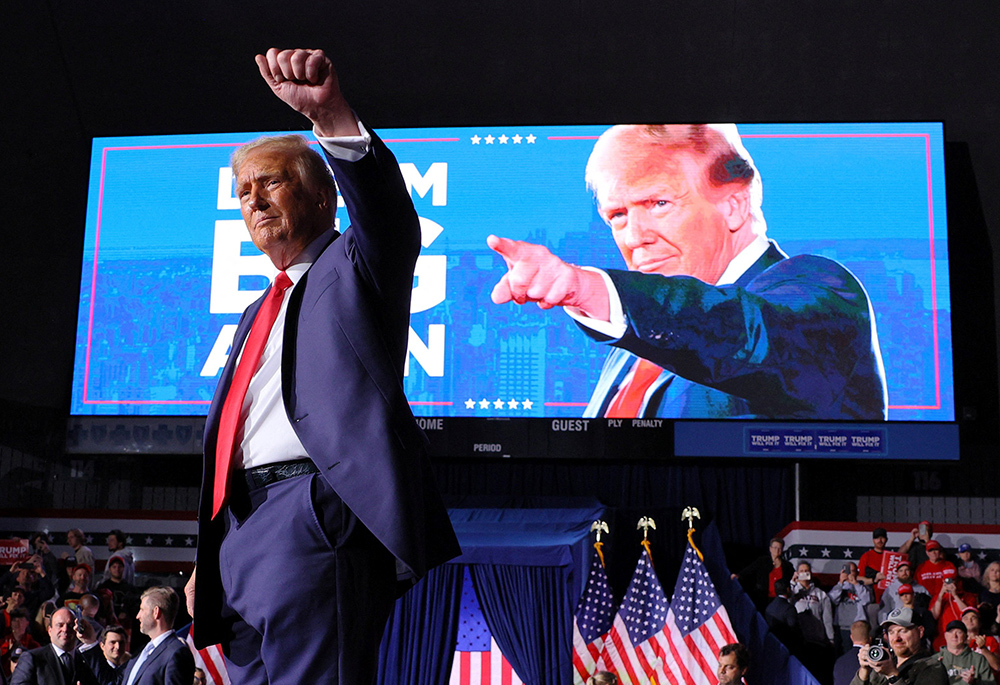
(267, 436)
(144, 654)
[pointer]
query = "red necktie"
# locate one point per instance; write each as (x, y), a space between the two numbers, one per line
(627, 402)
(229, 422)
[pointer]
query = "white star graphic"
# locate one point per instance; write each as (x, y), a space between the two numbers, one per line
(803, 551)
(475, 140)
(90, 539)
(489, 139)
(512, 404)
(517, 139)
(168, 541)
(531, 138)
(484, 403)
(498, 404)
(503, 139)
(527, 404)
(470, 403)
(981, 555)
(149, 540)
(188, 541)
(848, 553)
(825, 552)
(128, 540)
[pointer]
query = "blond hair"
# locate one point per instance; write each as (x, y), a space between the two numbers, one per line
(726, 160)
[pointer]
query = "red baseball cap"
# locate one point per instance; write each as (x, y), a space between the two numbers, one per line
(905, 589)
(933, 544)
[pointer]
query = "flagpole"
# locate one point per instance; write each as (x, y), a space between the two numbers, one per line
(690, 514)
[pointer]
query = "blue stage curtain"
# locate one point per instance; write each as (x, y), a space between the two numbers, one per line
(770, 661)
(749, 504)
(529, 613)
(419, 640)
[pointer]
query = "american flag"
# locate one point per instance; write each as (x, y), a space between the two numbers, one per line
(592, 621)
(478, 660)
(210, 660)
(653, 641)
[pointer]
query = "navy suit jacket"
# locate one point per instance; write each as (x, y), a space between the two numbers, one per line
(171, 663)
(41, 666)
(105, 673)
(791, 339)
(343, 353)
(846, 666)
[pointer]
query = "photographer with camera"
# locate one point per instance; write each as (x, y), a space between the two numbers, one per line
(849, 597)
(814, 607)
(906, 661)
(61, 661)
(948, 606)
(918, 545)
(35, 585)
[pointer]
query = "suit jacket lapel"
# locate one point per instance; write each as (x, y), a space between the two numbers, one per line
(55, 667)
(242, 331)
(153, 656)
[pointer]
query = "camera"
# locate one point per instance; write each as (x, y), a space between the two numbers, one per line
(877, 652)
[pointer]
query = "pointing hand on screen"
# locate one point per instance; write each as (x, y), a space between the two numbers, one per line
(307, 82)
(536, 275)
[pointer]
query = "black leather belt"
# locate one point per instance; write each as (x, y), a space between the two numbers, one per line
(261, 476)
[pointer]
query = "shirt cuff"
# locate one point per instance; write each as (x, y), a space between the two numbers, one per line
(347, 148)
(616, 327)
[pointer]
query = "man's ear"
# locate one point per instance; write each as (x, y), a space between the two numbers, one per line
(322, 199)
(736, 208)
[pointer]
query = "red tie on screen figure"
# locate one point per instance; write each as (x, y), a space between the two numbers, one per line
(656, 641)
(229, 421)
(628, 400)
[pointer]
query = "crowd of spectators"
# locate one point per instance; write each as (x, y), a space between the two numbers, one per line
(103, 607)
(943, 595)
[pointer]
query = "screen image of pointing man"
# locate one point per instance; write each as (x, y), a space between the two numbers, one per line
(711, 319)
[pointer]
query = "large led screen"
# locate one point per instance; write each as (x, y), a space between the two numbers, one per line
(858, 209)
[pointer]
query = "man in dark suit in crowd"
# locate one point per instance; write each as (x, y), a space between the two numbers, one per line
(781, 616)
(166, 659)
(58, 663)
(316, 475)
(846, 664)
(711, 319)
(107, 662)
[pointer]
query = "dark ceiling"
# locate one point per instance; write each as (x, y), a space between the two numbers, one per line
(75, 71)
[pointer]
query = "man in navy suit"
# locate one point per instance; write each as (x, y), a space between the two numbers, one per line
(846, 664)
(57, 663)
(107, 662)
(330, 511)
(166, 659)
(711, 319)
